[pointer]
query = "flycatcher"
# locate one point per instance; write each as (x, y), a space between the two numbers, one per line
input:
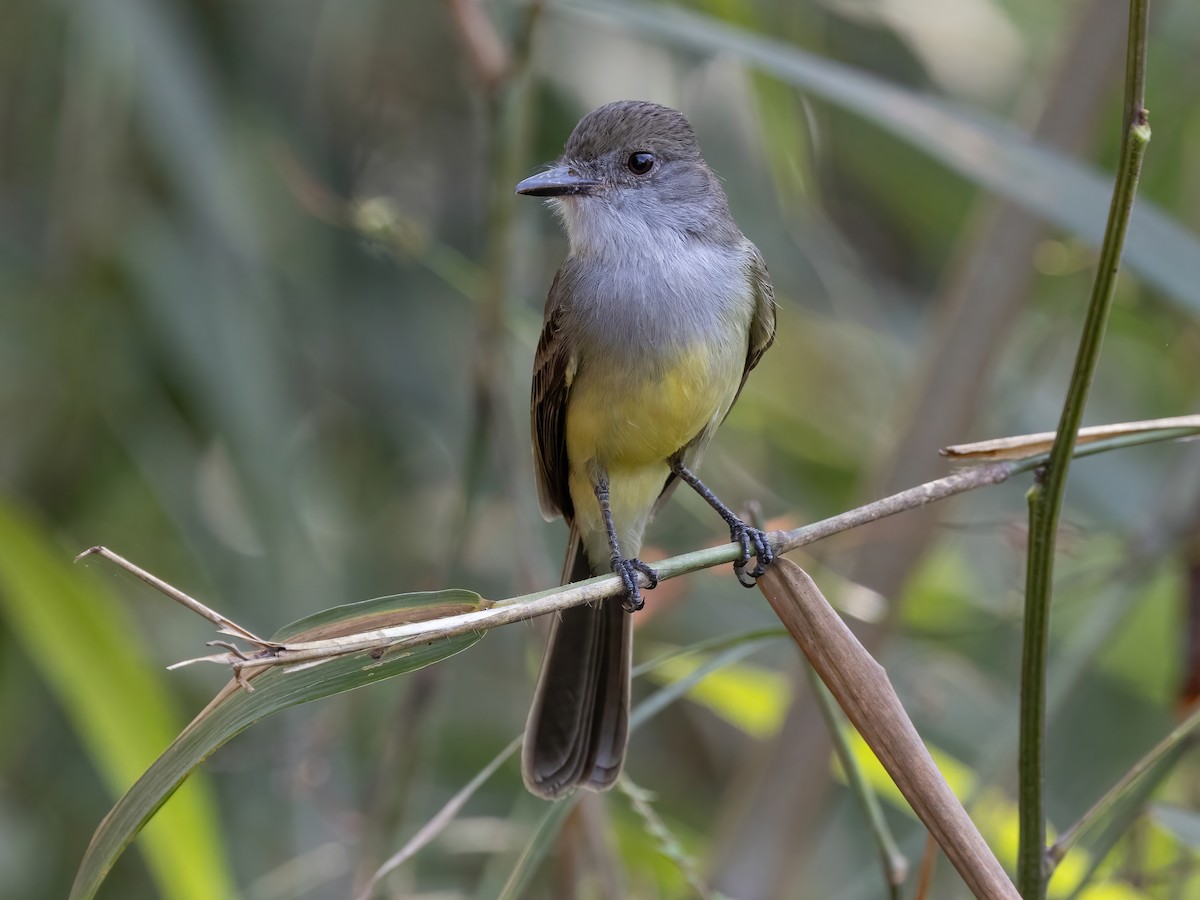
(652, 324)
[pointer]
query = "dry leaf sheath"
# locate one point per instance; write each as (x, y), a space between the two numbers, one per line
(862, 689)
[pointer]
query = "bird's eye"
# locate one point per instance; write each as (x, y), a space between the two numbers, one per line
(640, 163)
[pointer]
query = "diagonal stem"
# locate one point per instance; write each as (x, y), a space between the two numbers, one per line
(224, 624)
(1177, 736)
(895, 863)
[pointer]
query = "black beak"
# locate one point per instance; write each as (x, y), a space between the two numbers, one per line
(557, 182)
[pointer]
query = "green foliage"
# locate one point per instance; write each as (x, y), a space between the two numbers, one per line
(236, 708)
(257, 304)
(77, 638)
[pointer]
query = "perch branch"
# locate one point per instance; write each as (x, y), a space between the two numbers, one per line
(527, 606)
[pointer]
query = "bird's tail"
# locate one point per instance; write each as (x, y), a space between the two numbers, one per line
(579, 723)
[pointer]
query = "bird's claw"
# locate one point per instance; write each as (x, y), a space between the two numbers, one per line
(753, 542)
(629, 569)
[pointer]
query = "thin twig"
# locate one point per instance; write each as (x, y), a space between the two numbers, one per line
(507, 111)
(895, 863)
(224, 625)
(438, 823)
(928, 865)
(931, 491)
(1025, 445)
(1046, 497)
(668, 844)
(527, 606)
(484, 48)
(499, 71)
(530, 605)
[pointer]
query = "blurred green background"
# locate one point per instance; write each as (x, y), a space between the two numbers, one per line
(267, 320)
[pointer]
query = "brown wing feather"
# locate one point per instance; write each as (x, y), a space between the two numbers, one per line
(762, 326)
(552, 366)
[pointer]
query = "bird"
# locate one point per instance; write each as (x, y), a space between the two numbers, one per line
(651, 326)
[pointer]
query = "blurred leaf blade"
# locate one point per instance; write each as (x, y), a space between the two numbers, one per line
(235, 709)
(986, 150)
(733, 650)
(751, 698)
(539, 845)
(1183, 824)
(80, 641)
(664, 697)
(443, 817)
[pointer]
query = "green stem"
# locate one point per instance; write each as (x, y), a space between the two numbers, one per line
(506, 112)
(895, 863)
(1046, 497)
(1031, 878)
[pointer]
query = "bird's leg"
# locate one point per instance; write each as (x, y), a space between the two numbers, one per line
(753, 541)
(628, 569)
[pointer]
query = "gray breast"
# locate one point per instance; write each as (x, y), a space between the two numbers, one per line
(641, 304)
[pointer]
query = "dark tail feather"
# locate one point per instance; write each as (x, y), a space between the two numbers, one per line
(579, 723)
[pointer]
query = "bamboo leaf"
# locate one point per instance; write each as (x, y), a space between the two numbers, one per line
(1184, 824)
(982, 148)
(78, 638)
(380, 612)
(735, 649)
(539, 845)
(234, 709)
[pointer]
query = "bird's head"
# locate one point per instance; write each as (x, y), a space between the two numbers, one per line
(632, 172)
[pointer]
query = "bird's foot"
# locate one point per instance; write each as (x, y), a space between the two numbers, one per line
(629, 569)
(753, 542)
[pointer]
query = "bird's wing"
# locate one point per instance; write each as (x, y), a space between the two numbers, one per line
(762, 335)
(762, 325)
(553, 369)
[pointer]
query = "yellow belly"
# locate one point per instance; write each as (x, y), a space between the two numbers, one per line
(628, 426)
(619, 420)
